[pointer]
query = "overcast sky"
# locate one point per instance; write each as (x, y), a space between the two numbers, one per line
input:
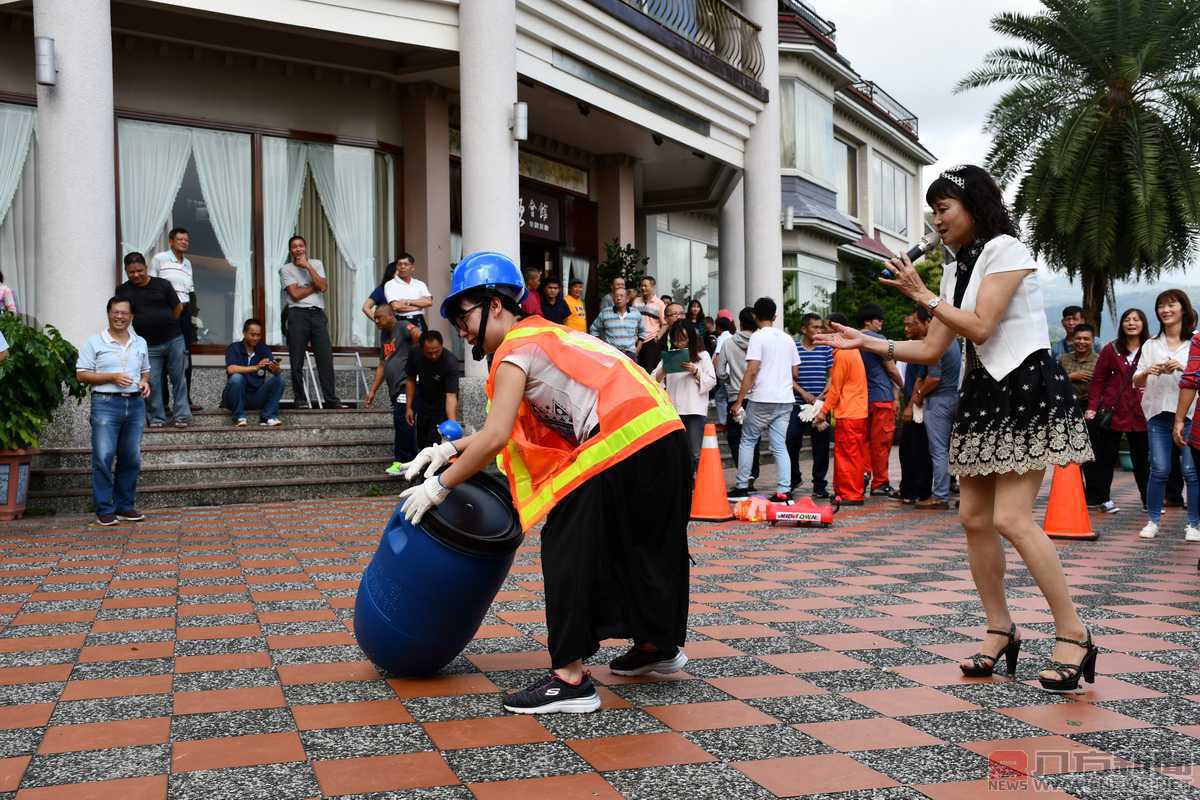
(917, 50)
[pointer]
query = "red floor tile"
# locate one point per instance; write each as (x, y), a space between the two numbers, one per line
(645, 750)
(441, 686)
(746, 688)
(103, 735)
(332, 639)
(559, 787)
(10, 676)
(383, 773)
(789, 777)
(945, 674)
(498, 662)
(290, 674)
(153, 787)
(33, 715)
(903, 702)
(349, 715)
(1071, 718)
(867, 734)
(707, 716)
(738, 631)
(11, 770)
(458, 734)
(236, 751)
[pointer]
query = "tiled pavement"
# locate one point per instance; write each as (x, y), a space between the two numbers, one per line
(207, 653)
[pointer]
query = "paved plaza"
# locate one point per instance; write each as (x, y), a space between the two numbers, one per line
(207, 654)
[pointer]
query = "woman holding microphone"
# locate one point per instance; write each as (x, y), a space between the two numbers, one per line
(1016, 415)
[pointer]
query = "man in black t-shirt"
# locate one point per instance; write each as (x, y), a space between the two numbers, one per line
(156, 310)
(432, 381)
(554, 307)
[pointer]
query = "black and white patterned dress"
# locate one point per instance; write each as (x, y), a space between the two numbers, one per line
(1026, 420)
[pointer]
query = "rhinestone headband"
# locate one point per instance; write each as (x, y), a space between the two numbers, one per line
(950, 175)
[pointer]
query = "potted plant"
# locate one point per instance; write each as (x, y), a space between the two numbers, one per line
(35, 379)
(619, 262)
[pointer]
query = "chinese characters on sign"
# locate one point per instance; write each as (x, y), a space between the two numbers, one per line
(538, 214)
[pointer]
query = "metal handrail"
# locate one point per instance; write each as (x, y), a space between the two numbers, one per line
(713, 25)
(824, 26)
(888, 104)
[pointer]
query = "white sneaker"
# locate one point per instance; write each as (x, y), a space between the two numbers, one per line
(1191, 533)
(240, 422)
(1109, 507)
(1150, 531)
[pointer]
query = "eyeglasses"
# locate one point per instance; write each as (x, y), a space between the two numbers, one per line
(460, 320)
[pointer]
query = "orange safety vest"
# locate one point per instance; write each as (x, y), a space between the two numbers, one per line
(633, 411)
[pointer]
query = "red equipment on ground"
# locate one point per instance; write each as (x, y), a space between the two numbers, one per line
(804, 511)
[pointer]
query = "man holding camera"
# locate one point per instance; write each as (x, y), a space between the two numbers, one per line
(254, 382)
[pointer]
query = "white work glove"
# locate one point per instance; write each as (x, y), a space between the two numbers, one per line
(422, 497)
(431, 459)
(808, 411)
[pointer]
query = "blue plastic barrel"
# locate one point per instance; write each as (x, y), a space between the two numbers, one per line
(428, 587)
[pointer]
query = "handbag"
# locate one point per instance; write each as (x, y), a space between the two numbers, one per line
(1103, 419)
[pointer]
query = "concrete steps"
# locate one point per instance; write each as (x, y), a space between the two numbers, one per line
(315, 453)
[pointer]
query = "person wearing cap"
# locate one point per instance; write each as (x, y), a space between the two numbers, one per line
(579, 429)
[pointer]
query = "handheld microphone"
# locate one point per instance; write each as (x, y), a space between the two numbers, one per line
(921, 249)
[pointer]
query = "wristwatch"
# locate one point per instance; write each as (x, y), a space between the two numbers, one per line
(933, 302)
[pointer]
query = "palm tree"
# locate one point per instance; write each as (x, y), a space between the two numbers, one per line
(1101, 132)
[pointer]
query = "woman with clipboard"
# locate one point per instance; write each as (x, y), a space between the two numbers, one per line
(686, 370)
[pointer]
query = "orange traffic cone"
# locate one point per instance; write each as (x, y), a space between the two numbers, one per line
(709, 501)
(1066, 513)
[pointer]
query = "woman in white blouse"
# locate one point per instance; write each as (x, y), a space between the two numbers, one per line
(689, 389)
(1016, 413)
(1159, 369)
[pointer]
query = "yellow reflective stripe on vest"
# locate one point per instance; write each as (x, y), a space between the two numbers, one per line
(531, 506)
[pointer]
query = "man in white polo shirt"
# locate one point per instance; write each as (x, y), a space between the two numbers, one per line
(408, 296)
(772, 367)
(173, 266)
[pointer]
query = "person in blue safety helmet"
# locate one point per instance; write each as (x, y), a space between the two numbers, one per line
(578, 429)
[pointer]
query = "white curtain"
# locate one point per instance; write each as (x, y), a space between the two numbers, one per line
(16, 131)
(283, 184)
(576, 269)
(153, 159)
(345, 177)
(223, 165)
(18, 238)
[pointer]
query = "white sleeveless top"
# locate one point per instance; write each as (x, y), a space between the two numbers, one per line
(1023, 329)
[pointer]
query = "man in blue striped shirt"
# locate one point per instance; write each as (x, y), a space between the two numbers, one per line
(815, 362)
(619, 325)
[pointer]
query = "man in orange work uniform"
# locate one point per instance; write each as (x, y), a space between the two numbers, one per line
(846, 400)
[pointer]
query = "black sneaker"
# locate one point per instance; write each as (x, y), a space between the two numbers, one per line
(639, 662)
(106, 519)
(554, 695)
(780, 497)
(886, 491)
(820, 494)
(132, 515)
(735, 492)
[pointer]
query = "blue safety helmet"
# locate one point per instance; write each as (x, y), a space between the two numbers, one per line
(484, 269)
(450, 430)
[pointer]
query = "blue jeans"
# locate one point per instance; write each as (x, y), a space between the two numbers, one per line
(117, 425)
(169, 358)
(772, 418)
(237, 397)
(1158, 432)
(939, 419)
(721, 400)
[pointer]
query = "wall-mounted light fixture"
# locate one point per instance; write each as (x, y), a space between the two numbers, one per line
(584, 108)
(45, 69)
(519, 122)
(657, 139)
(789, 218)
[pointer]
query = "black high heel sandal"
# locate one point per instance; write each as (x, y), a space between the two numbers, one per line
(1069, 674)
(983, 665)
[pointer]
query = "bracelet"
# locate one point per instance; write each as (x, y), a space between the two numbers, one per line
(891, 353)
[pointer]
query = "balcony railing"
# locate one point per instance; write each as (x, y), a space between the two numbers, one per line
(714, 25)
(806, 12)
(888, 105)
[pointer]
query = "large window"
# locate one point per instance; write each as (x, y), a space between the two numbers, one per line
(806, 130)
(340, 198)
(846, 161)
(686, 270)
(808, 286)
(889, 193)
(18, 235)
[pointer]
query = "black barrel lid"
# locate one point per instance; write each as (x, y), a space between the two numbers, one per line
(477, 518)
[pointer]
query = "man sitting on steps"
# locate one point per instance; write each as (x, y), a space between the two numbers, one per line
(254, 381)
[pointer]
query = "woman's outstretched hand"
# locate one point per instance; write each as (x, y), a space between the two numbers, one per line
(843, 337)
(906, 278)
